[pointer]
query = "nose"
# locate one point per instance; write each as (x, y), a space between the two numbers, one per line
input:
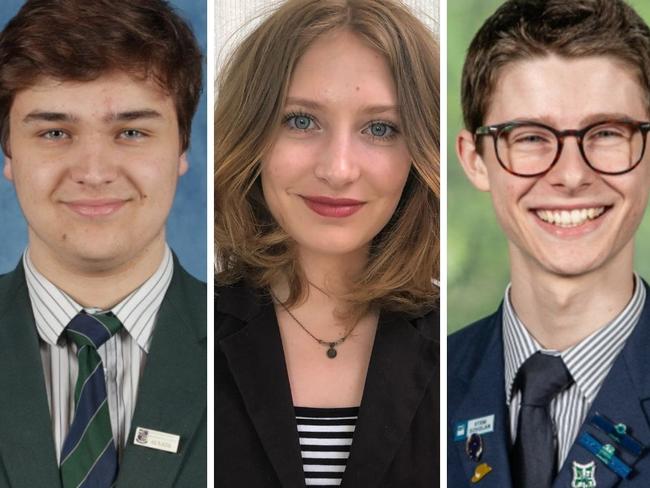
(571, 172)
(93, 163)
(338, 162)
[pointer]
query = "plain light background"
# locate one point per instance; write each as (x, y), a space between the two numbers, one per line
(235, 18)
(186, 227)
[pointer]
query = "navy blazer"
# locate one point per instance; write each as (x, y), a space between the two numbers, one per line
(396, 441)
(476, 388)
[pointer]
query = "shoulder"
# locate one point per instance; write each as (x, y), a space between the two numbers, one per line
(465, 347)
(11, 284)
(428, 324)
(189, 296)
(235, 304)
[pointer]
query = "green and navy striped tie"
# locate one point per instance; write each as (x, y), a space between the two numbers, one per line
(89, 457)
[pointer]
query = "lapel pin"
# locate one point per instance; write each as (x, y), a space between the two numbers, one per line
(154, 439)
(584, 475)
(618, 433)
(480, 472)
(606, 453)
(474, 447)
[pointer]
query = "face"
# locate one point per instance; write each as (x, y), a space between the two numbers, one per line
(95, 166)
(338, 163)
(572, 220)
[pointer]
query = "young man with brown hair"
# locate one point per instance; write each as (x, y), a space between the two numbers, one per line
(552, 389)
(102, 332)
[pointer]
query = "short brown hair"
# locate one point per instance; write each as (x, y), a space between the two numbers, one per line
(525, 29)
(250, 245)
(80, 40)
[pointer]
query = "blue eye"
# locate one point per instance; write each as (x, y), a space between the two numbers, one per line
(302, 122)
(381, 130)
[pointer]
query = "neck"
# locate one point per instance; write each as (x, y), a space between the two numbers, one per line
(328, 278)
(332, 274)
(101, 285)
(560, 311)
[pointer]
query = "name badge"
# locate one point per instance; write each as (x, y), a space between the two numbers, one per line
(154, 439)
(481, 425)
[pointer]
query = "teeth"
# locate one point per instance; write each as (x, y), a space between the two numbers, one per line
(570, 218)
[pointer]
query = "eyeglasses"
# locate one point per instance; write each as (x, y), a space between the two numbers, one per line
(611, 147)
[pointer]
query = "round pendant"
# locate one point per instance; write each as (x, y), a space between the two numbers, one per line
(331, 352)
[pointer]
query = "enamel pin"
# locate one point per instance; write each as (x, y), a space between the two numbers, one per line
(474, 447)
(584, 475)
(606, 453)
(619, 433)
(480, 472)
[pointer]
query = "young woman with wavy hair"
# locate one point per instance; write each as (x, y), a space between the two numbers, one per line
(326, 237)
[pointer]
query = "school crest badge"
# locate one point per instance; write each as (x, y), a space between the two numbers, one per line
(584, 475)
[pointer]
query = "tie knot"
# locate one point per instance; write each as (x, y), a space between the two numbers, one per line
(92, 330)
(541, 378)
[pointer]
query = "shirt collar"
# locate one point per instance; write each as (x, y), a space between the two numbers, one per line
(600, 348)
(54, 309)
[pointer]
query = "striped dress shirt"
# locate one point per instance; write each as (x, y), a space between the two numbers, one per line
(123, 355)
(589, 361)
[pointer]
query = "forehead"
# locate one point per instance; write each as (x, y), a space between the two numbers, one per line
(341, 65)
(566, 91)
(113, 92)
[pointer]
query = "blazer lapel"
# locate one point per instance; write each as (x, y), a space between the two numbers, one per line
(256, 360)
(623, 398)
(486, 397)
(26, 442)
(172, 394)
(402, 366)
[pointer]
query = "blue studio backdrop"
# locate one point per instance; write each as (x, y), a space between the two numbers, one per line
(186, 227)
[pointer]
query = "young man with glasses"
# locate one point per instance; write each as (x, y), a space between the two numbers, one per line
(554, 388)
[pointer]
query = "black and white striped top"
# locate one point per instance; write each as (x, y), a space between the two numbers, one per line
(325, 438)
(589, 361)
(123, 355)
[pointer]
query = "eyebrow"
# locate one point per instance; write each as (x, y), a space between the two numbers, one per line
(42, 116)
(585, 121)
(367, 109)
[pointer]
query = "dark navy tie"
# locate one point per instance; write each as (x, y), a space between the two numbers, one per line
(533, 457)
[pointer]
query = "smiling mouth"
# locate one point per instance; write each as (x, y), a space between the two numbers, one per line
(570, 218)
(95, 208)
(332, 207)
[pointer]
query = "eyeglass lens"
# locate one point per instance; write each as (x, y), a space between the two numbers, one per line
(610, 147)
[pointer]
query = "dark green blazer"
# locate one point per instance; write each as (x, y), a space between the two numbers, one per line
(172, 395)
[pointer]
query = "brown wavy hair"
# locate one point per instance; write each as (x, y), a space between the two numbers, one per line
(81, 40)
(251, 90)
(527, 29)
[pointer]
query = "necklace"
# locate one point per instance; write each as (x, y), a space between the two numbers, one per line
(331, 346)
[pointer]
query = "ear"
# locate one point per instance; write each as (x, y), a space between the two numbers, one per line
(471, 161)
(183, 165)
(7, 171)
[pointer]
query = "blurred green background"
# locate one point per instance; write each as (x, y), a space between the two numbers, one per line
(477, 265)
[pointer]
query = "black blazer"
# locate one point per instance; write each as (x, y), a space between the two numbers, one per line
(396, 441)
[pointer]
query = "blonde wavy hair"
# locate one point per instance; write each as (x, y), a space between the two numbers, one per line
(252, 88)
